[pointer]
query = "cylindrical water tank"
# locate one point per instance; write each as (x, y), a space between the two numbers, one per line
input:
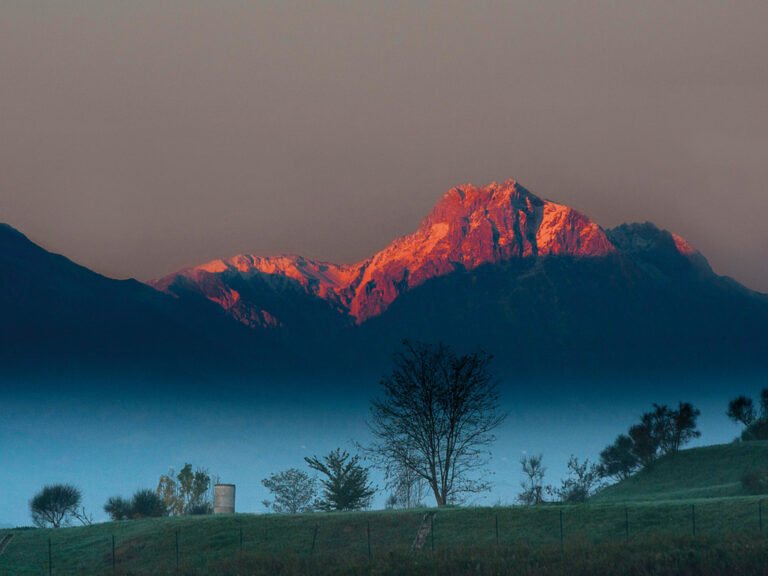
(224, 499)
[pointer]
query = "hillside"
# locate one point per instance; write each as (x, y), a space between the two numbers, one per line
(352, 543)
(708, 472)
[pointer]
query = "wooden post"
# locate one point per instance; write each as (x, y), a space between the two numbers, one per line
(432, 530)
(314, 540)
(114, 558)
(497, 530)
(50, 557)
(562, 533)
(626, 523)
(693, 518)
(760, 514)
(177, 550)
(370, 555)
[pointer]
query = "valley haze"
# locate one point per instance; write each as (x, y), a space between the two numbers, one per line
(247, 364)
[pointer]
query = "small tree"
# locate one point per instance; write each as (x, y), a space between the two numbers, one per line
(118, 508)
(55, 505)
(618, 460)
(742, 410)
(533, 485)
(582, 481)
(293, 491)
(436, 420)
(345, 486)
(187, 492)
(147, 504)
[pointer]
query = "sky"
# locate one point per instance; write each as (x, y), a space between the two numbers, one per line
(141, 137)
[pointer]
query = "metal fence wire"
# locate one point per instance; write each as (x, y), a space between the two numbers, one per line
(199, 543)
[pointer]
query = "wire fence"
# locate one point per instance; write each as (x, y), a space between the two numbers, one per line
(200, 543)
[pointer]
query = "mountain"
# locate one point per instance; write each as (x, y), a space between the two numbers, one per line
(59, 317)
(469, 227)
(536, 283)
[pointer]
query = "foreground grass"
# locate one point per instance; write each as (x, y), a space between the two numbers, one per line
(643, 538)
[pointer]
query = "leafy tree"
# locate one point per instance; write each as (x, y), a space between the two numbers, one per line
(187, 492)
(659, 432)
(533, 485)
(436, 420)
(345, 483)
(741, 409)
(147, 504)
(55, 505)
(293, 491)
(582, 481)
(118, 508)
(144, 504)
(618, 460)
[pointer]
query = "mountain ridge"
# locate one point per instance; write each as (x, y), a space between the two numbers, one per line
(468, 227)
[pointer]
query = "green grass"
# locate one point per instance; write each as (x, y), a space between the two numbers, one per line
(708, 472)
(685, 515)
(283, 544)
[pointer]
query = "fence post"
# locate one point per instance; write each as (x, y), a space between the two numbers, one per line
(432, 530)
(626, 523)
(760, 514)
(370, 555)
(50, 557)
(177, 550)
(693, 518)
(562, 532)
(314, 540)
(497, 530)
(240, 549)
(114, 558)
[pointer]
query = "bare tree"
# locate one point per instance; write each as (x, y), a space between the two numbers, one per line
(533, 485)
(436, 419)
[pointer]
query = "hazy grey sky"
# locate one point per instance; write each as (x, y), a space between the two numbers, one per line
(140, 137)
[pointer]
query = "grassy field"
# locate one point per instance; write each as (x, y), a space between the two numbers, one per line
(685, 515)
(708, 472)
(213, 545)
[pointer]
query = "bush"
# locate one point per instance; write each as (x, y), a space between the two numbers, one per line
(55, 505)
(755, 481)
(118, 508)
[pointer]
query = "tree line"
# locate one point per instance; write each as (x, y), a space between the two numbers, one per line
(432, 430)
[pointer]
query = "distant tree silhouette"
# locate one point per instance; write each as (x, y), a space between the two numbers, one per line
(293, 491)
(582, 481)
(659, 432)
(618, 460)
(118, 508)
(742, 410)
(533, 485)
(145, 503)
(436, 420)
(345, 482)
(55, 505)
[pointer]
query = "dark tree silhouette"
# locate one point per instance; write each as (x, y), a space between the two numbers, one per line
(55, 505)
(618, 460)
(345, 483)
(742, 410)
(533, 485)
(436, 419)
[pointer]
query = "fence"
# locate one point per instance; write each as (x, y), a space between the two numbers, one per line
(170, 545)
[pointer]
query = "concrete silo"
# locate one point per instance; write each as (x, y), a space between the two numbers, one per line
(224, 499)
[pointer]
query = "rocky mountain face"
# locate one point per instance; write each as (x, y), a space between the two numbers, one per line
(533, 282)
(469, 227)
